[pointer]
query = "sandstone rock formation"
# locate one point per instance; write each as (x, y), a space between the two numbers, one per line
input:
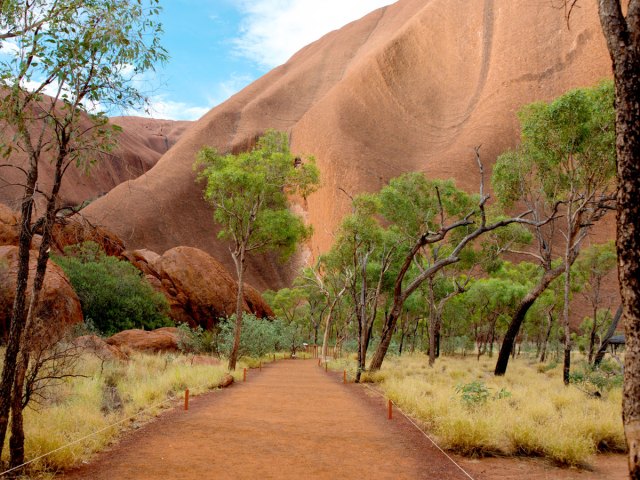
(159, 340)
(59, 306)
(199, 289)
(141, 143)
(413, 86)
(8, 226)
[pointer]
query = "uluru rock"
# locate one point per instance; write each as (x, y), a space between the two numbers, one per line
(59, 306)
(160, 340)
(139, 146)
(412, 86)
(199, 288)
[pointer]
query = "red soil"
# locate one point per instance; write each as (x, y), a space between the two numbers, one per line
(292, 420)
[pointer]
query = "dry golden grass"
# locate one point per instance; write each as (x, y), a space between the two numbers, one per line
(145, 385)
(539, 416)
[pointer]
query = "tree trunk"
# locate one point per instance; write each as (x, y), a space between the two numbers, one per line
(387, 334)
(239, 262)
(16, 442)
(543, 355)
(566, 367)
(605, 341)
(518, 318)
(623, 42)
(18, 312)
(592, 336)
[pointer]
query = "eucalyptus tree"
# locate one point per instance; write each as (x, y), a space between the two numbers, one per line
(366, 250)
(62, 63)
(591, 268)
(565, 164)
(249, 193)
(429, 213)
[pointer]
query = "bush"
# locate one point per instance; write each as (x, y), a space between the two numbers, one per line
(197, 340)
(113, 293)
(259, 337)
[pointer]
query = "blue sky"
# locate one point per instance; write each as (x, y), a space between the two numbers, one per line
(217, 47)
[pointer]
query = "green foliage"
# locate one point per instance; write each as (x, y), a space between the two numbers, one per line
(596, 380)
(258, 337)
(566, 144)
(197, 340)
(595, 263)
(476, 393)
(473, 393)
(113, 293)
(250, 190)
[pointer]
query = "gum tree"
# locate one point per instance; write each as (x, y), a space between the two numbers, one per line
(59, 59)
(250, 196)
(565, 163)
(431, 213)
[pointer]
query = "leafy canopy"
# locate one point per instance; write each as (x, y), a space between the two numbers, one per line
(249, 192)
(566, 144)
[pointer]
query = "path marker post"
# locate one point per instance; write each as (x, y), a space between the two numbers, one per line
(244, 374)
(390, 410)
(318, 361)
(186, 399)
(326, 368)
(260, 366)
(344, 377)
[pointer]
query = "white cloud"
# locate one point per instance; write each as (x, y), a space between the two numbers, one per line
(273, 30)
(163, 108)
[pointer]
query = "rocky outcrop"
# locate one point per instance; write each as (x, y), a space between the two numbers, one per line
(59, 306)
(160, 340)
(199, 289)
(140, 144)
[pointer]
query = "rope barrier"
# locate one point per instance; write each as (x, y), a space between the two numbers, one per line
(87, 436)
(97, 432)
(412, 422)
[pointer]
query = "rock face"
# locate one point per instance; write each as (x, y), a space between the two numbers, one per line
(59, 306)
(141, 143)
(413, 86)
(159, 340)
(199, 289)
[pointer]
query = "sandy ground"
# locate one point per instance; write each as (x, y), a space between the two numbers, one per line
(293, 420)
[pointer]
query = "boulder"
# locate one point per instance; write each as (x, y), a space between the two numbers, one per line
(8, 226)
(160, 340)
(198, 287)
(97, 346)
(59, 306)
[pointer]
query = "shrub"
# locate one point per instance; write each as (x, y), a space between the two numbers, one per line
(113, 293)
(197, 340)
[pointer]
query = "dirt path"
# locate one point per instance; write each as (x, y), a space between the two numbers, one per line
(292, 420)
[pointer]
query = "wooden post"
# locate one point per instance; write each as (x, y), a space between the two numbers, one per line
(390, 408)
(260, 366)
(326, 368)
(186, 399)
(244, 374)
(344, 376)
(318, 361)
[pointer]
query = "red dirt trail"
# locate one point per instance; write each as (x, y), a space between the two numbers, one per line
(291, 420)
